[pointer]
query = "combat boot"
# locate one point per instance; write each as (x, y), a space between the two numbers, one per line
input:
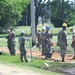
(62, 59)
(21, 60)
(73, 57)
(26, 60)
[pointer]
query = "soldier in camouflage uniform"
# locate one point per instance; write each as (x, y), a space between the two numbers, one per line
(22, 47)
(62, 40)
(12, 35)
(73, 40)
(9, 41)
(38, 38)
(42, 39)
(47, 40)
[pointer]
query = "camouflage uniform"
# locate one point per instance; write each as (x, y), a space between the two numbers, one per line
(47, 42)
(38, 39)
(62, 40)
(12, 43)
(22, 48)
(42, 42)
(73, 45)
(9, 42)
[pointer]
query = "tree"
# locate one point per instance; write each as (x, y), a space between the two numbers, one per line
(40, 10)
(70, 19)
(60, 14)
(11, 12)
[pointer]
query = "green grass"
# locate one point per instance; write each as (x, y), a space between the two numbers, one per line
(36, 65)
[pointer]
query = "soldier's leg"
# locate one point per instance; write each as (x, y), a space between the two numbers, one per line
(46, 51)
(13, 49)
(21, 53)
(49, 47)
(24, 54)
(74, 53)
(21, 57)
(43, 49)
(62, 55)
(9, 47)
(63, 49)
(25, 57)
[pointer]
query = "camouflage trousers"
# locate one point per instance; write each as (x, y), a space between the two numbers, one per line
(11, 47)
(22, 53)
(74, 51)
(63, 51)
(45, 48)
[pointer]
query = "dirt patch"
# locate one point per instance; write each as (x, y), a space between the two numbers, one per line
(56, 55)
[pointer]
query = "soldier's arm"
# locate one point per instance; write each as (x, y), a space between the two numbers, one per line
(41, 37)
(27, 39)
(51, 35)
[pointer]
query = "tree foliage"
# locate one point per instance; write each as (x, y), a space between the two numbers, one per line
(11, 12)
(40, 10)
(57, 13)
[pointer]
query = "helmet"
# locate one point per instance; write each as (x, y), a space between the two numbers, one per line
(43, 28)
(64, 25)
(39, 29)
(22, 32)
(47, 27)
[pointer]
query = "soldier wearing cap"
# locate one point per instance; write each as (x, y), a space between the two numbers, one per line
(8, 37)
(22, 46)
(62, 40)
(73, 46)
(11, 41)
(42, 38)
(47, 40)
(12, 35)
(38, 38)
(73, 40)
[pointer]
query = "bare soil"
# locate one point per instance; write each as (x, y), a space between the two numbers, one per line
(56, 55)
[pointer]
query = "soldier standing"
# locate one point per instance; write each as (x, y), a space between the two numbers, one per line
(47, 40)
(62, 40)
(38, 38)
(12, 34)
(42, 38)
(9, 41)
(22, 47)
(73, 41)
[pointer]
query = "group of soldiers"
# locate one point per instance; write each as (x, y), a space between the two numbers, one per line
(11, 44)
(44, 38)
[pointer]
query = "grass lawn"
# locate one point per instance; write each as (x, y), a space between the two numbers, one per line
(37, 64)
